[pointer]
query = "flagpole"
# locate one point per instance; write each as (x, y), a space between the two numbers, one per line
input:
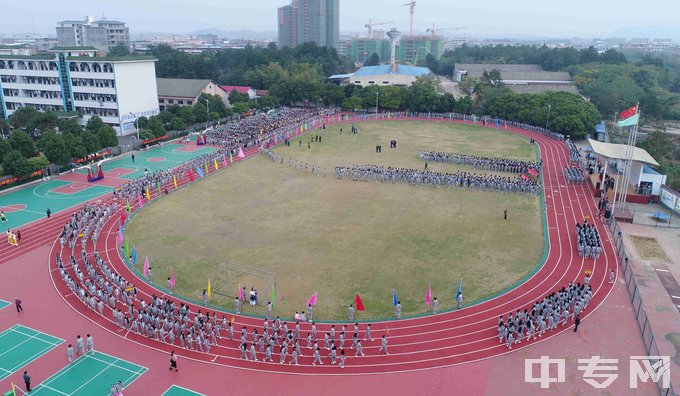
(629, 160)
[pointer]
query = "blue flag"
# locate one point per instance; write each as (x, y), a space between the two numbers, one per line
(199, 171)
(460, 286)
(134, 254)
(394, 298)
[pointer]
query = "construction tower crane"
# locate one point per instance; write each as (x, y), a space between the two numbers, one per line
(412, 6)
(370, 25)
(433, 31)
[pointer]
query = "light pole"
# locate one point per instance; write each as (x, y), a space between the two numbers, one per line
(207, 106)
(136, 124)
(547, 120)
(377, 95)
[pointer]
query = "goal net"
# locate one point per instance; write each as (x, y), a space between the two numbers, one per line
(232, 277)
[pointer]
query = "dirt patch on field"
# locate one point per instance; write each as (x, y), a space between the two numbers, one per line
(648, 248)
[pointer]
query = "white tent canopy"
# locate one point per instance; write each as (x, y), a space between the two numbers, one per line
(618, 151)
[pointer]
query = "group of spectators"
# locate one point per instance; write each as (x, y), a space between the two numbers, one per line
(458, 180)
(546, 315)
(574, 175)
(588, 241)
(259, 128)
(495, 164)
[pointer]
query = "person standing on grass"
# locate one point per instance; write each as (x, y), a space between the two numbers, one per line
(27, 381)
(435, 304)
(17, 303)
(80, 346)
(237, 305)
(173, 361)
(90, 345)
(310, 310)
(205, 298)
(351, 313)
(397, 309)
(459, 299)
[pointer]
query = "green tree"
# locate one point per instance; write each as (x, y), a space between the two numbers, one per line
(22, 117)
(90, 141)
(107, 136)
(41, 122)
(55, 149)
(4, 128)
(39, 162)
(119, 50)
(5, 148)
(200, 112)
(186, 113)
(237, 97)
(240, 108)
(94, 124)
(19, 140)
(156, 126)
(658, 144)
(69, 126)
(373, 60)
(353, 103)
(75, 146)
(16, 164)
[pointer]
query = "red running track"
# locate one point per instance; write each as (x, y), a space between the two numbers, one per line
(441, 340)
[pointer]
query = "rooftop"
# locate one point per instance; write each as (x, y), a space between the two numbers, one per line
(66, 48)
(238, 88)
(180, 87)
(403, 70)
(127, 58)
(513, 72)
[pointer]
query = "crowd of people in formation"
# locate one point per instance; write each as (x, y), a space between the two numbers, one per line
(574, 152)
(458, 180)
(159, 318)
(87, 221)
(299, 165)
(574, 175)
(251, 131)
(588, 241)
(546, 315)
(494, 164)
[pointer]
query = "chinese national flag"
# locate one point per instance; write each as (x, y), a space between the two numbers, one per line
(628, 113)
(359, 303)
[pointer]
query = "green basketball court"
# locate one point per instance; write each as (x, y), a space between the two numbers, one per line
(176, 390)
(28, 204)
(90, 375)
(20, 345)
(4, 304)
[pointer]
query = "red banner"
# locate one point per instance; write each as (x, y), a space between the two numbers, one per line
(154, 140)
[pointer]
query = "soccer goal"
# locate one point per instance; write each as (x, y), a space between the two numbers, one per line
(232, 277)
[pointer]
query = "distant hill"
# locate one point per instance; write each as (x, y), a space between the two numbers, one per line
(671, 32)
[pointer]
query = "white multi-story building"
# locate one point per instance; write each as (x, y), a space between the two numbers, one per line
(102, 34)
(73, 80)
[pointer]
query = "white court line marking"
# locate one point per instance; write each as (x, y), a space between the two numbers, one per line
(662, 270)
(183, 388)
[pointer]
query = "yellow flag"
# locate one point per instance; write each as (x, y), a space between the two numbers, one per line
(209, 289)
(14, 390)
(148, 196)
(174, 180)
(216, 166)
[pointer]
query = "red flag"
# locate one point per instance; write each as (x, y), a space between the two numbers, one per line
(628, 112)
(122, 218)
(359, 303)
(191, 175)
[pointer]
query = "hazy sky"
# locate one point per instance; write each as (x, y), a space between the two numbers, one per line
(560, 18)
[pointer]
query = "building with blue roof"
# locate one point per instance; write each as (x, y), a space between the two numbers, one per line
(384, 75)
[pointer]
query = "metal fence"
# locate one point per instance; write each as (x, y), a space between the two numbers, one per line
(656, 218)
(638, 307)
